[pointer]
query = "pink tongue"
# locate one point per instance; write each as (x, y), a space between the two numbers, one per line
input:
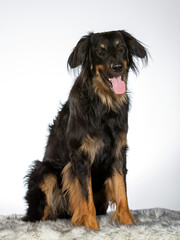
(119, 86)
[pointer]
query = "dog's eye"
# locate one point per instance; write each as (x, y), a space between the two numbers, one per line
(100, 51)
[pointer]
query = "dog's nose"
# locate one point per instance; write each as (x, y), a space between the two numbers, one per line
(116, 67)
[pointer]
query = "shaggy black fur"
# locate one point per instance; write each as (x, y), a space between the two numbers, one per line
(94, 114)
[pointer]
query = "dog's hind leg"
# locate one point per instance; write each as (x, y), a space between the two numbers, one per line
(35, 197)
(48, 185)
(44, 197)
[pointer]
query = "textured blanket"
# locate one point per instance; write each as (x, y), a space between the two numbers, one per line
(152, 224)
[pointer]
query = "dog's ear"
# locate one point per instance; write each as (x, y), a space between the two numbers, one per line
(135, 49)
(79, 53)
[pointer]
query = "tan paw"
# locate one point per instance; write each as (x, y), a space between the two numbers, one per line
(124, 217)
(88, 221)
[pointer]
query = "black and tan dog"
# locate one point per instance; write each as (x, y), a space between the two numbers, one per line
(84, 167)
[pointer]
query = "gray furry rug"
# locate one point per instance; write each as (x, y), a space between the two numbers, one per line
(151, 224)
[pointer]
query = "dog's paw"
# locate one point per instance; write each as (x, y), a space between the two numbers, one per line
(124, 216)
(89, 221)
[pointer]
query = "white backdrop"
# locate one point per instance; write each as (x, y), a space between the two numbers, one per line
(36, 38)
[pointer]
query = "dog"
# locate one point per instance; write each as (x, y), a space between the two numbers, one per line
(84, 166)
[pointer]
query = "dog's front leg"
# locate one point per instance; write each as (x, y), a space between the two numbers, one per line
(116, 193)
(77, 183)
(122, 213)
(116, 185)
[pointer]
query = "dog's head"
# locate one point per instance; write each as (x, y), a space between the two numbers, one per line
(108, 56)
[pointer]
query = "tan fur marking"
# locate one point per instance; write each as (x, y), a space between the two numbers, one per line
(47, 186)
(116, 193)
(125, 64)
(46, 213)
(121, 141)
(109, 190)
(83, 212)
(91, 145)
(66, 178)
(117, 42)
(99, 67)
(91, 206)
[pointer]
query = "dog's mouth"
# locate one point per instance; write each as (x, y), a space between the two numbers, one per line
(116, 83)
